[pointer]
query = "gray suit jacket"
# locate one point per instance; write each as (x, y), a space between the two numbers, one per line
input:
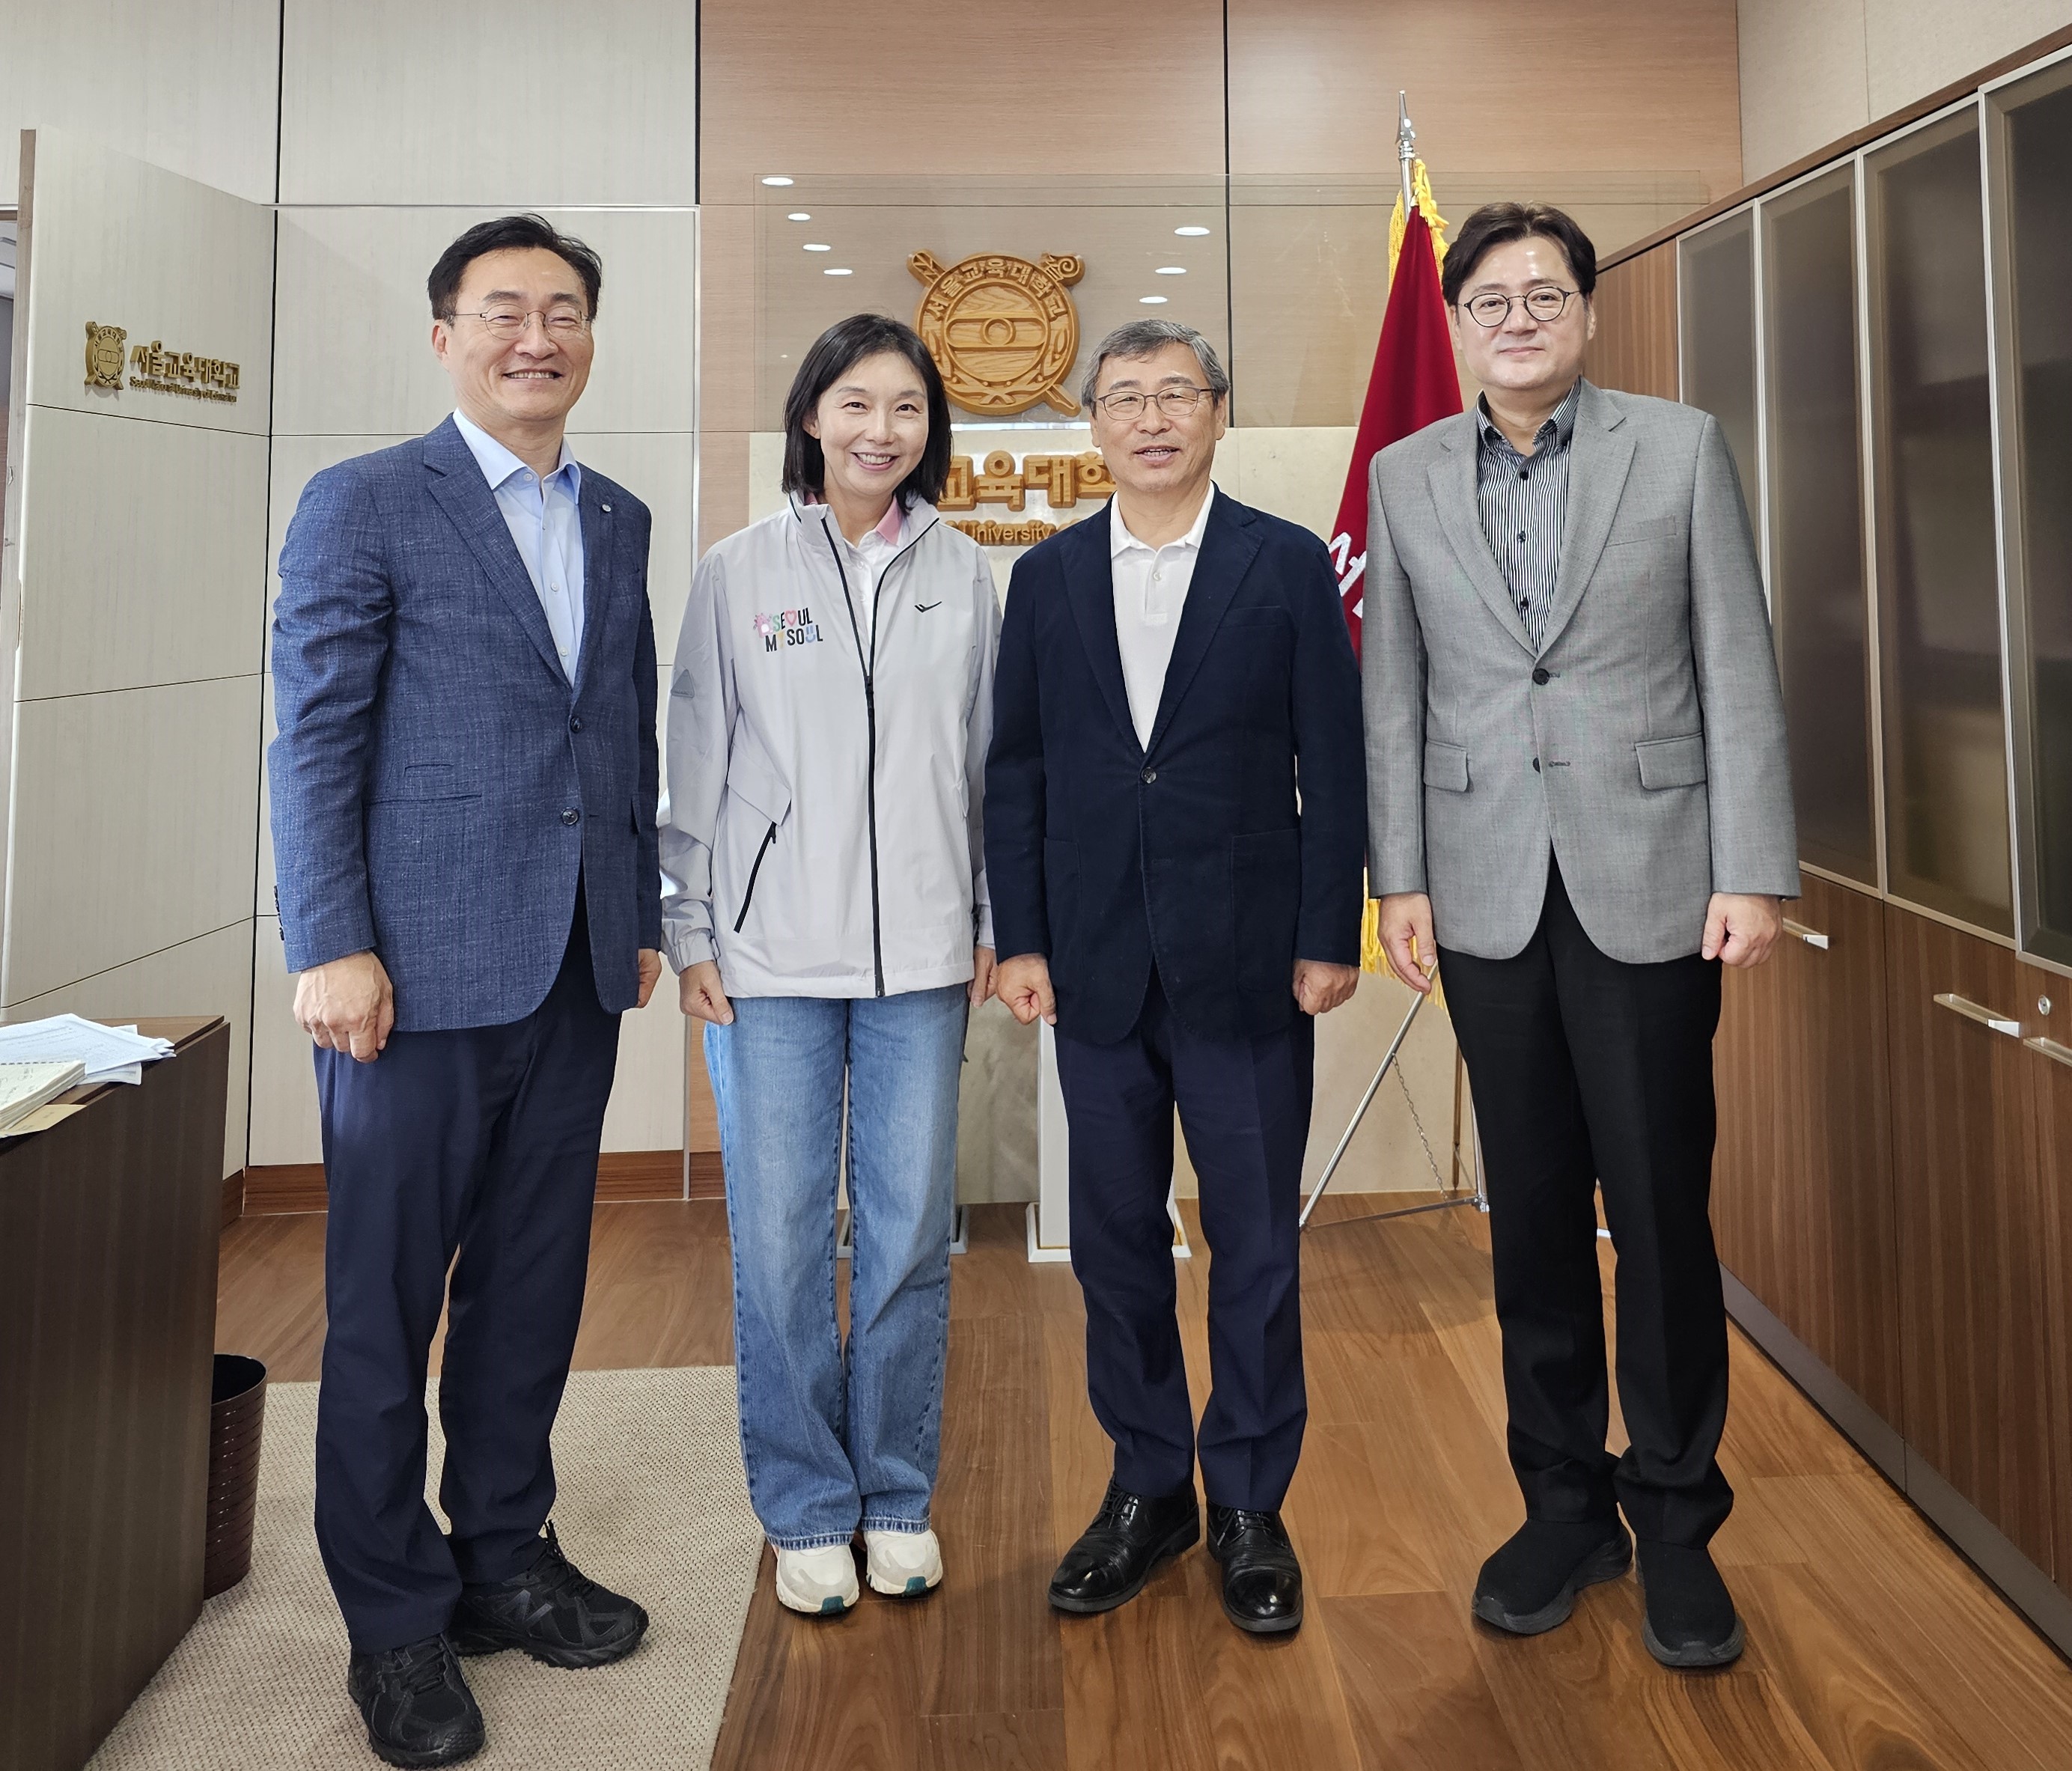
(1642, 745)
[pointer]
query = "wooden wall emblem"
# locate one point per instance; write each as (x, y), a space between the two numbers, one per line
(1003, 331)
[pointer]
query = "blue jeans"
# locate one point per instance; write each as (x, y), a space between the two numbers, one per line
(833, 1442)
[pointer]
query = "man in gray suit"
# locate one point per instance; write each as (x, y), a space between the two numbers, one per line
(1578, 784)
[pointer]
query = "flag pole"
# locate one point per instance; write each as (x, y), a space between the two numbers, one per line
(1406, 153)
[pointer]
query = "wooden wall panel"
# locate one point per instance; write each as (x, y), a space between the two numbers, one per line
(1635, 348)
(1972, 1271)
(1748, 1077)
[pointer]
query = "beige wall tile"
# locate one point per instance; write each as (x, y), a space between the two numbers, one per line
(351, 290)
(189, 87)
(133, 819)
(1805, 81)
(534, 105)
(648, 1090)
(142, 553)
(211, 975)
(661, 471)
(284, 1088)
(1296, 473)
(121, 243)
(1914, 47)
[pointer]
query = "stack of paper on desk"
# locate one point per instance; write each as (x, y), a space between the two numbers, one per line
(109, 1054)
(24, 1087)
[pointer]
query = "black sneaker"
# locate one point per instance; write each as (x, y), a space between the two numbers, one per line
(553, 1611)
(417, 1705)
(1529, 1585)
(1689, 1620)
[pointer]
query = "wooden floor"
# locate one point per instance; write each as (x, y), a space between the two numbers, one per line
(1872, 1644)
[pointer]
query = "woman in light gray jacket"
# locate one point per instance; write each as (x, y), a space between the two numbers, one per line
(826, 911)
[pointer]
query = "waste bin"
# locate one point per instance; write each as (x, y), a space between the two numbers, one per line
(236, 1413)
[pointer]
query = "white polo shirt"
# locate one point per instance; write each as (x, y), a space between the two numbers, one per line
(1150, 590)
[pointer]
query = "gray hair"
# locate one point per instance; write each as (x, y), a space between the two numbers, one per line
(1140, 338)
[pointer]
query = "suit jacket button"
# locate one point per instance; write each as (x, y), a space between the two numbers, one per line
(575, 724)
(1535, 765)
(573, 816)
(1539, 673)
(1149, 776)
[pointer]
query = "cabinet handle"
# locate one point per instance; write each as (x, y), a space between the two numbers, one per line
(1810, 937)
(2050, 1049)
(1985, 1018)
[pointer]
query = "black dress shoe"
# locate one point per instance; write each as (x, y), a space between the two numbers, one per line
(418, 1709)
(553, 1611)
(1114, 1555)
(1690, 1619)
(1529, 1585)
(1262, 1580)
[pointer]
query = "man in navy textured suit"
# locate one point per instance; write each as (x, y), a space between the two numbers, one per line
(1171, 671)
(463, 799)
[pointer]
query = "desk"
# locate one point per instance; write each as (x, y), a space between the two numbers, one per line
(108, 1245)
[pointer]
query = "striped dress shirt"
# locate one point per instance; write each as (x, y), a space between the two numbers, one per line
(1524, 502)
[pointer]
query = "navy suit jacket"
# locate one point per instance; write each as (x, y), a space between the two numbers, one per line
(1102, 854)
(437, 783)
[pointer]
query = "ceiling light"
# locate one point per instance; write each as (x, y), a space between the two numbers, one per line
(815, 245)
(776, 179)
(798, 215)
(1152, 301)
(1171, 270)
(837, 270)
(1190, 233)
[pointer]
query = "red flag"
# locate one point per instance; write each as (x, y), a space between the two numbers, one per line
(1413, 385)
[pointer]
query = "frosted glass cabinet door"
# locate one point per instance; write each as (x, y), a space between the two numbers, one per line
(1817, 604)
(2033, 230)
(1715, 328)
(1946, 802)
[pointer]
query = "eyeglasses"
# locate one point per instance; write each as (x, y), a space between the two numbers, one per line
(1174, 402)
(1544, 304)
(507, 322)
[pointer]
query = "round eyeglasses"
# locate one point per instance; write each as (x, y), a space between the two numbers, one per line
(1544, 304)
(1174, 402)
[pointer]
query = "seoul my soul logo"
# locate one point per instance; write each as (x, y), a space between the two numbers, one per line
(787, 627)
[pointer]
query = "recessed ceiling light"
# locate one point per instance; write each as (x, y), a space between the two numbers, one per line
(798, 215)
(1172, 270)
(1190, 233)
(1153, 301)
(836, 270)
(815, 245)
(776, 179)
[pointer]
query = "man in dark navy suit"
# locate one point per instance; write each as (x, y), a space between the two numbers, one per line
(1172, 671)
(464, 796)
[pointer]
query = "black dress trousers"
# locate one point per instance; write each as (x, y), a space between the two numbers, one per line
(462, 1168)
(1244, 1107)
(1590, 1073)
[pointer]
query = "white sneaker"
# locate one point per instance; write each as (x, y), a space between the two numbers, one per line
(902, 1564)
(820, 1582)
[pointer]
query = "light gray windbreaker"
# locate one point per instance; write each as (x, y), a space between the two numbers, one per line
(823, 834)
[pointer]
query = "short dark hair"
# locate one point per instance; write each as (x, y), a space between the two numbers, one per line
(1498, 223)
(509, 233)
(835, 352)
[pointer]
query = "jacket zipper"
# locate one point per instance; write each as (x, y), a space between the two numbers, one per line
(747, 896)
(869, 667)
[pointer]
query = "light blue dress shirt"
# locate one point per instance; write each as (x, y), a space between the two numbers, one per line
(545, 520)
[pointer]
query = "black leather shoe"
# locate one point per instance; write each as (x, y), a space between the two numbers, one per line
(552, 1611)
(1690, 1619)
(418, 1707)
(1529, 1585)
(1115, 1555)
(1262, 1580)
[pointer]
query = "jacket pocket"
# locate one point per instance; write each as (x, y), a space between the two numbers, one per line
(421, 780)
(1671, 761)
(1446, 766)
(748, 894)
(752, 779)
(1653, 528)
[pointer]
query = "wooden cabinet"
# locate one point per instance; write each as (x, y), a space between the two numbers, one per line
(1972, 1268)
(1803, 1204)
(2047, 1049)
